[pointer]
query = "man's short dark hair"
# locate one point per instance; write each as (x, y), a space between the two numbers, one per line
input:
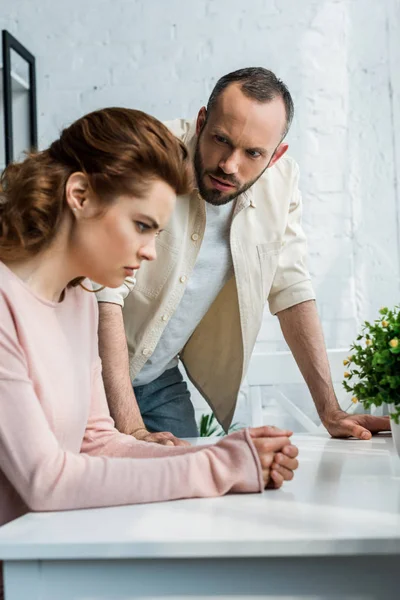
(256, 83)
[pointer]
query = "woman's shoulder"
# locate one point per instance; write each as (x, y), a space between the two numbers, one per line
(9, 308)
(83, 298)
(9, 287)
(16, 298)
(83, 309)
(82, 306)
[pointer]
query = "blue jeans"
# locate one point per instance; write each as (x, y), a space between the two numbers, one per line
(165, 405)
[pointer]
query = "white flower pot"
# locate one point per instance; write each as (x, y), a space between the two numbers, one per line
(395, 429)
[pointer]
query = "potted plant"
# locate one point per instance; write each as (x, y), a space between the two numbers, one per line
(373, 368)
(209, 426)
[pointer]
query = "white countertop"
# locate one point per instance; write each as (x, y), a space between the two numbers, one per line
(344, 499)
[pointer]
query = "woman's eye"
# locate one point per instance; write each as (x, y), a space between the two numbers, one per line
(142, 227)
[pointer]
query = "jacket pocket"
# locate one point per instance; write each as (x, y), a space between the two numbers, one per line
(268, 256)
(153, 275)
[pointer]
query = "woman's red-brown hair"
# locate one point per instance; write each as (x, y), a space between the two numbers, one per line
(120, 150)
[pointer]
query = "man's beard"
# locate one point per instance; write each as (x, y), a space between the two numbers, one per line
(213, 196)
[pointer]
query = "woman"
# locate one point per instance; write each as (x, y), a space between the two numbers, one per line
(90, 206)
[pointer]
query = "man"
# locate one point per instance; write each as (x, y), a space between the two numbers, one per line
(233, 244)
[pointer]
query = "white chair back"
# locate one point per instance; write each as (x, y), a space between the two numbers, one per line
(278, 369)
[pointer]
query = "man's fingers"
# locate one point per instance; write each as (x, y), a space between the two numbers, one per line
(157, 439)
(174, 441)
(164, 434)
(269, 431)
(348, 428)
(375, 424)
(165, 439)
(179, 442)
(358, 426)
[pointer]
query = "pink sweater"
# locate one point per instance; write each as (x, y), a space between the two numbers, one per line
(59, 448)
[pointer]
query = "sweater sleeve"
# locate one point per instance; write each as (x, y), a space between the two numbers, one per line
(103, 439)
(115, 295)
(48, 477)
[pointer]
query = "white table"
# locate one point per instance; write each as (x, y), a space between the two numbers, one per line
(334, 532)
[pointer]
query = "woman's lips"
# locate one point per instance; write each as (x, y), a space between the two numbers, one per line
(130, 270)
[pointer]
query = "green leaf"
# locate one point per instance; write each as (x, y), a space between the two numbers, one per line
(209, 426)
(377, 372)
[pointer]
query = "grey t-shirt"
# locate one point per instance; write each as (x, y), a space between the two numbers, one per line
(211, 271)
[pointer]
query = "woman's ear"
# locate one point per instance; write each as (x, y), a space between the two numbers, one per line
(77, 193)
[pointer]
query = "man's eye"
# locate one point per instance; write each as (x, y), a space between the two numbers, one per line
(253, 153)
(220, 139)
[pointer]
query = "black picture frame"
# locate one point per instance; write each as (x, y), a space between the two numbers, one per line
(10, 43)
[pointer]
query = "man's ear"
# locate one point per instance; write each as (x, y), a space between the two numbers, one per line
(279, 152)
(201, 119)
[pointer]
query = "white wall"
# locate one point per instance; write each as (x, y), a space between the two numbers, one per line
(340, 59)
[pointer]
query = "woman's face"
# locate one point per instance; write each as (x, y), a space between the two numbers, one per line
(111, 243)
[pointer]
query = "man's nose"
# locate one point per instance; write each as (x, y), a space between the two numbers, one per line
(230, 163)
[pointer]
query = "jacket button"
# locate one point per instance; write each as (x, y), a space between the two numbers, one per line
(146, 352)
(195, 237)
(183, 279)
(164, 317)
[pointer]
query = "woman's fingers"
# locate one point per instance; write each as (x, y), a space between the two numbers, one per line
(287, 474)
(269, 431)
(266, 477)
(278, 457)
(285, 461)
(270, 444)
(291, 451)
(266, 459)
(276, 479)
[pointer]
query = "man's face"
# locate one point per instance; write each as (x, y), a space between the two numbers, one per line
(236, 143)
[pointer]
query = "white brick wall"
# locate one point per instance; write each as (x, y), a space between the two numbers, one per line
(340, 59)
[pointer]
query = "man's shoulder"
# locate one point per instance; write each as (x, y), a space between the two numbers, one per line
(285, 167)
(180, 127)
(284, 172)
(279, 181)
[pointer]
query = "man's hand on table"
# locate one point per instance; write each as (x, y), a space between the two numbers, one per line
(278, 456)
(165, 438)
(342, 425)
